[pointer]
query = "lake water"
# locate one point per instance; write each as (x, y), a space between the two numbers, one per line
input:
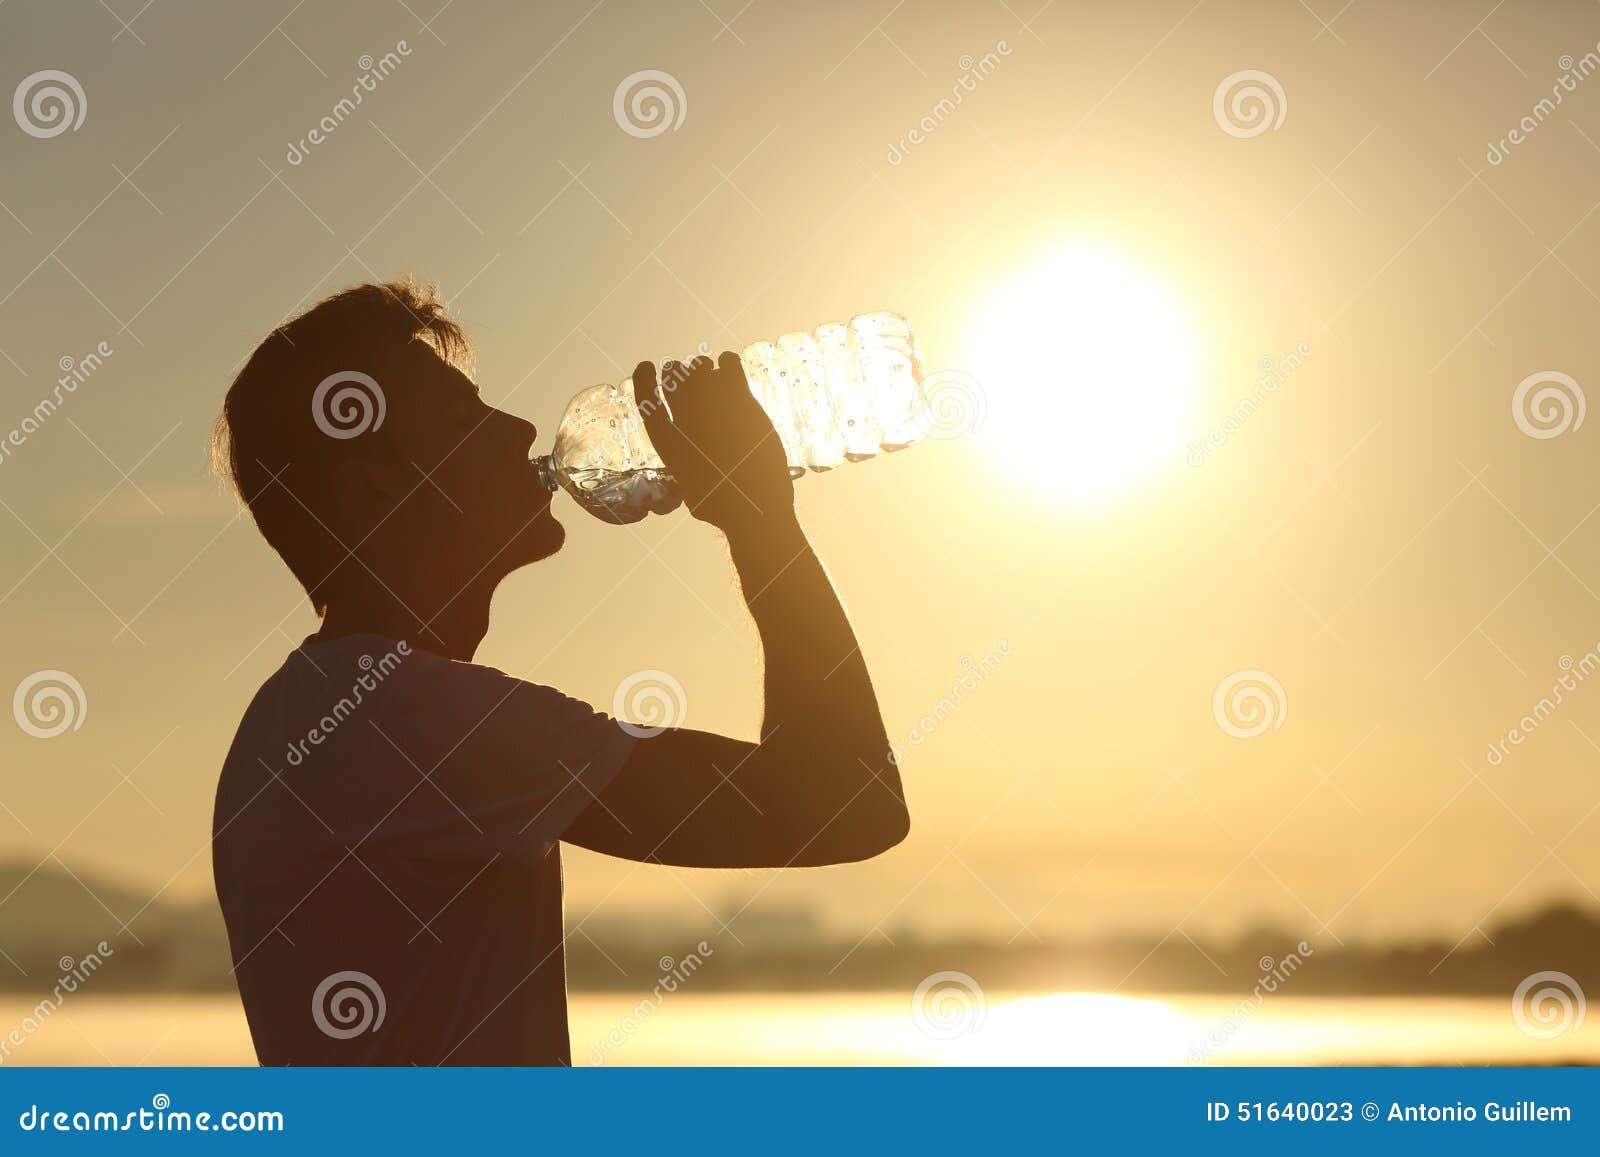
(879, 1028)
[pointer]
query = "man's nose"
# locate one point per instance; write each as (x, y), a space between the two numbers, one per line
(521, 430)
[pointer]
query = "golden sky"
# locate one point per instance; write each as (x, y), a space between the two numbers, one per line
(1380, 535)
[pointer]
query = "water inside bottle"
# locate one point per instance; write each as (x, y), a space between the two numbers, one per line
(622, 496)
(843, 393)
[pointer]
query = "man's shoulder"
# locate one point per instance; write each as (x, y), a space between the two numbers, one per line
(408, 686)
(423, 677)
(328, 692)
(368, 661)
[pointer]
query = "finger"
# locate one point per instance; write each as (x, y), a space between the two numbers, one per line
(731, 364)
(646, 394)
(740, 402)
(684, 384)
(657, 426)
(731, 370)
(644, 382)
(673, 374)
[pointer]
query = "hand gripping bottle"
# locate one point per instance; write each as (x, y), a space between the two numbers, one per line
(841, 393)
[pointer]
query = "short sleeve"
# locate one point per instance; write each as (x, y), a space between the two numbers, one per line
(510, 764)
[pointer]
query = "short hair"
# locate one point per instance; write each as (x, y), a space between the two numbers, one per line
(275, 449)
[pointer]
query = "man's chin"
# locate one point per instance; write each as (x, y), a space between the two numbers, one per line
(544, 538)
(537, 538)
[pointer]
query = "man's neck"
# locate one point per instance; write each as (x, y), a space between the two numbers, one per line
(448, 623)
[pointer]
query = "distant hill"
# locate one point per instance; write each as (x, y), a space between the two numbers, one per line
(49, 914)
(1562, 938)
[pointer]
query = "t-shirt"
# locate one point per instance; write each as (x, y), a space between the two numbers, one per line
(385, 847)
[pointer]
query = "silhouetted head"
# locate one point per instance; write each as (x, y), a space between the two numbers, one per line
(360, 444)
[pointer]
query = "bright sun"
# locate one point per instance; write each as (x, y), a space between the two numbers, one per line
(1088, 369)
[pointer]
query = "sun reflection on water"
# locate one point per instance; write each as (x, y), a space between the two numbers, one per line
(1075, 1028)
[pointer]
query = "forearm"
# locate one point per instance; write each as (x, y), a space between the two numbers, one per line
(820, 706)
(819, 787)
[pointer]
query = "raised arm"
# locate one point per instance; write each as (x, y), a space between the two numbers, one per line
(819, 787)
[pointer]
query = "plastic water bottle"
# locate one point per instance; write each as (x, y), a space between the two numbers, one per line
(841, 393)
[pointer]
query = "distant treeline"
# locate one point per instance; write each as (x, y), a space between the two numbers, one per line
(50, 920)
(1560, 938)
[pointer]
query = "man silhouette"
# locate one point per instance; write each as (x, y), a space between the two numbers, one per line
(387, 824)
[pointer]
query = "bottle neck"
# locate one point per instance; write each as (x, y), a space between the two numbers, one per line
(544, 466)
